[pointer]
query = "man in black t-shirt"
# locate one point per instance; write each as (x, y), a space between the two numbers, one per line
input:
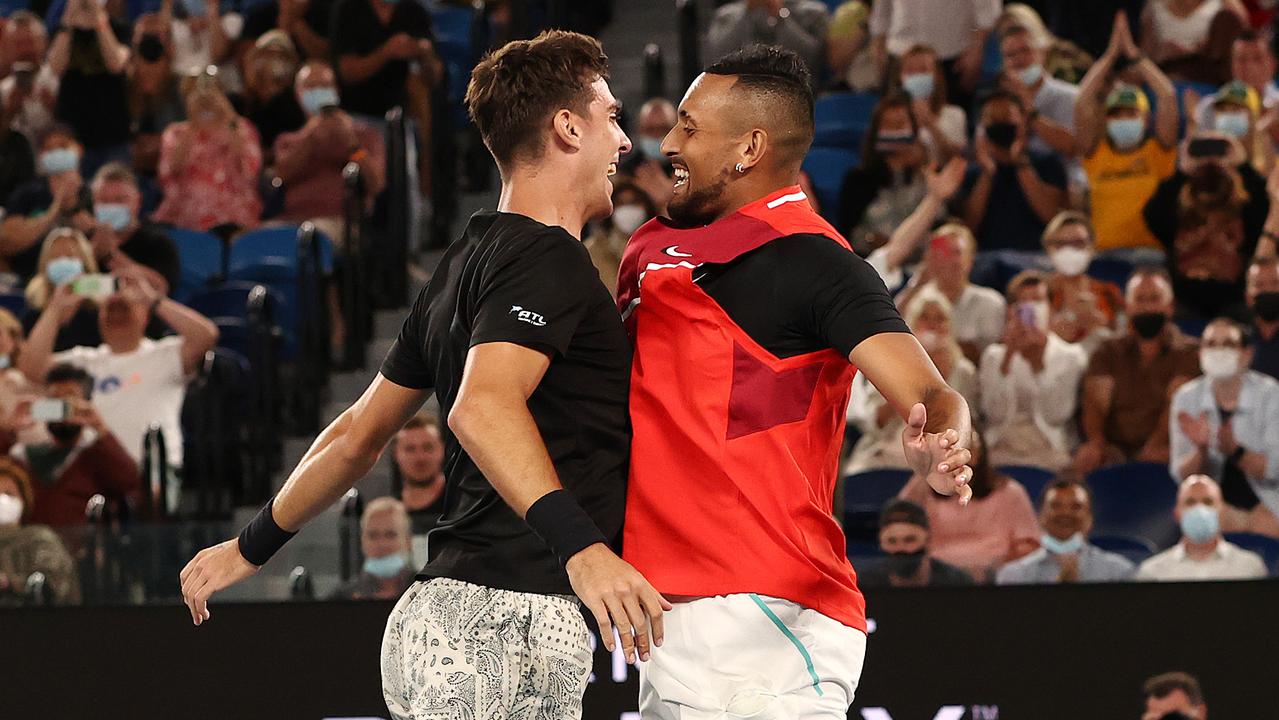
(530, 363)
(374, 42)
(57, 197)
(120, 238)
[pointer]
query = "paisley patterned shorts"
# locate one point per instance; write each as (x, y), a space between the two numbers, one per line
(457, 651)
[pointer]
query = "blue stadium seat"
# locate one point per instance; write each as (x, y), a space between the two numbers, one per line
(869, 490)
(1112, 270)
(15, 302)
(452, 27)
(826, 168)
(863, 550)
(1265, 546)
(200, 257)
(233, 334)
(842, 119)
(1136, 549)
(1135, 499)
(1194, 327)
(270, 256)
(1034, 479)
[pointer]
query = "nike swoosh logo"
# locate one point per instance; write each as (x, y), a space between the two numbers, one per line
(673, 251)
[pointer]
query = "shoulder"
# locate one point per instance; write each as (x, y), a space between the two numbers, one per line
(984, 296)
(1189, 390)
(1112, 560)
(1264, 382)
(1021, 569)
(992, 355)
(1242, 556)
(1015, 493)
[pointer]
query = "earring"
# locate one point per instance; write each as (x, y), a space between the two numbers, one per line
(740, 168)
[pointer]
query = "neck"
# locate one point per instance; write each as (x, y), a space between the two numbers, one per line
(1228, 385)
(1266, 329)
(749, 189)
(120, 346)
(1199, 551)
(532, 193)
(952, 289)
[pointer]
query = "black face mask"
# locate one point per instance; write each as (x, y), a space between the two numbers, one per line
(1149, 325)
(1003, 134)
(65, 432)
(905, 564)
(150, 47)
(1267, 306)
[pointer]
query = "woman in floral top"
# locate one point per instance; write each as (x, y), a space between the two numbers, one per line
(209, 164)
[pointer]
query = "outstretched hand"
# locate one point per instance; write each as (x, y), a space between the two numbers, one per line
(213, 569)
(940, 458)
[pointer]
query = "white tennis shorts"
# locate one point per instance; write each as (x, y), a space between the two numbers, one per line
(458, 651)
(751, 656)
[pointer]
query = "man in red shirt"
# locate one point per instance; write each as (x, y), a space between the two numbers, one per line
(750, 317)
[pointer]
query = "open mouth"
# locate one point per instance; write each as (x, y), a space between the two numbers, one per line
(612, 169)
(681, 175)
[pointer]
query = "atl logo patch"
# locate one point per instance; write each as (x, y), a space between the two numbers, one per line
(528, 316)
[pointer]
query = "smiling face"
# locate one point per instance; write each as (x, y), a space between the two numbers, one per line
(602, 142)
(700, 148)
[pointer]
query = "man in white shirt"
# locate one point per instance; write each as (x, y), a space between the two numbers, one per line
(139, 381)
(957, 31)
(1202, 554)
(1030, 383)
(1051, 101)
(1225, 424)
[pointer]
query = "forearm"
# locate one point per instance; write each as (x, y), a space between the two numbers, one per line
(912, 230)
(114, 54)
(1166, 115)
(1088, 117)
(1254, 464)
(947, 410)
(978, 200)
(33, 361)
(60, 52)
(499, 434)
(219, 43)
(332, 466)
(312, 44)
(806, 43)
(19, 233)
(1058, 137)
(358, 68)
(191, 325)
(1044, 199)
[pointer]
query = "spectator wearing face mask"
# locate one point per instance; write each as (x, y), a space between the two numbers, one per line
(1174, 696)
(140, 381)
(121, 239)
(1202, 554)
(645, 165)
(958, 35)
(26, 549)
(1124, 163)
(1063, 59)
(270, 101)
(1030, 383)
(419, 461)
(1236, 112)
(1064, 554)
(1225, 424)
(90, 62)
(65, 256)
(996, 527)
(1252, 63)
(903, 537)
(632, 207)
(943, 127)
(903, 250)
(81, 457)
(929, 316)
(28, 85)
(891, 181)
(1131, 380)
(209, 164)
(979, 314)
(14, 386)
(1263, 300)
(56, 198)
(154, 90)
(1209, 216)
(1049, 102)
(385, 542)
(310, 160)
(1085, 311)
(1190, 39)
(1010, 192)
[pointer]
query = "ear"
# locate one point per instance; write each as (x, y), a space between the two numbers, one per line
(754, 145)
(567, 128)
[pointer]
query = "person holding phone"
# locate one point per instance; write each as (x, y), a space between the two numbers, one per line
(1209, 216)
(29, 88)
(1030, 383)
(81, 457)
(55, 198)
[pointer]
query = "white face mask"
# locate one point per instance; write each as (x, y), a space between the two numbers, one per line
(628, 218)
(10, 509)
(1071, 261)
(1219, 362)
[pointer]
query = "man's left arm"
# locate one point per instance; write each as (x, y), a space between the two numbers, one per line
(198, 333)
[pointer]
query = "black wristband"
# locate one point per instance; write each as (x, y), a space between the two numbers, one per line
(262, 537)
(563, 525)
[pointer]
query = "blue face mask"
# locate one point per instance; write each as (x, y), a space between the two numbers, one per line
(317, 98)
(57, 161)
(386, 567)
(1234, 124)
(1200, 524)
(63, 270)
(1126, 133)
(1030, 75)
(5, 362)
(1069, 546)
(918, 85)
(651, 148)
(116, 216)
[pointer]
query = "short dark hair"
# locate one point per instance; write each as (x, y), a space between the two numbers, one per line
(513, 90)
(422, 420)
(115, 171)
(1246, 337)
(996, 94)
(1160, 686)
(779, 80)
(1065, 484)
(66, 372)
(898, 510)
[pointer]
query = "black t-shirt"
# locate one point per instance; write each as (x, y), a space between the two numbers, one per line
(34, 199)
(876, 575)
(802, 293)
(17, 162)
(152, 247)
(356, 30)
(1010, 222)
(278, 115)
(262, 18)
(512, 279)
(91, 99)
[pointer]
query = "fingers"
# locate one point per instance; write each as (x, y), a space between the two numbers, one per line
(915, 420)
(625, 630)
(965, 492)
(639, 621)
(602, 620)
(955, 460)
(654, 604)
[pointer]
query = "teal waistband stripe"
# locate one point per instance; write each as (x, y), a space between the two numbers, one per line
(808, 659)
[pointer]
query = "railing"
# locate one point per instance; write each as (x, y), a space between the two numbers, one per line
(353, 273)
(350, 555)
(690, 52)
(392, 256)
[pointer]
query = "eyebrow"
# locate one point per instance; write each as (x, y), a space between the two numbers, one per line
(686, 116)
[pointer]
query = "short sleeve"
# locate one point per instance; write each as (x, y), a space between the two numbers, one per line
(405, 363)
(535, 293)
(1050, 170)
(847, 298)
